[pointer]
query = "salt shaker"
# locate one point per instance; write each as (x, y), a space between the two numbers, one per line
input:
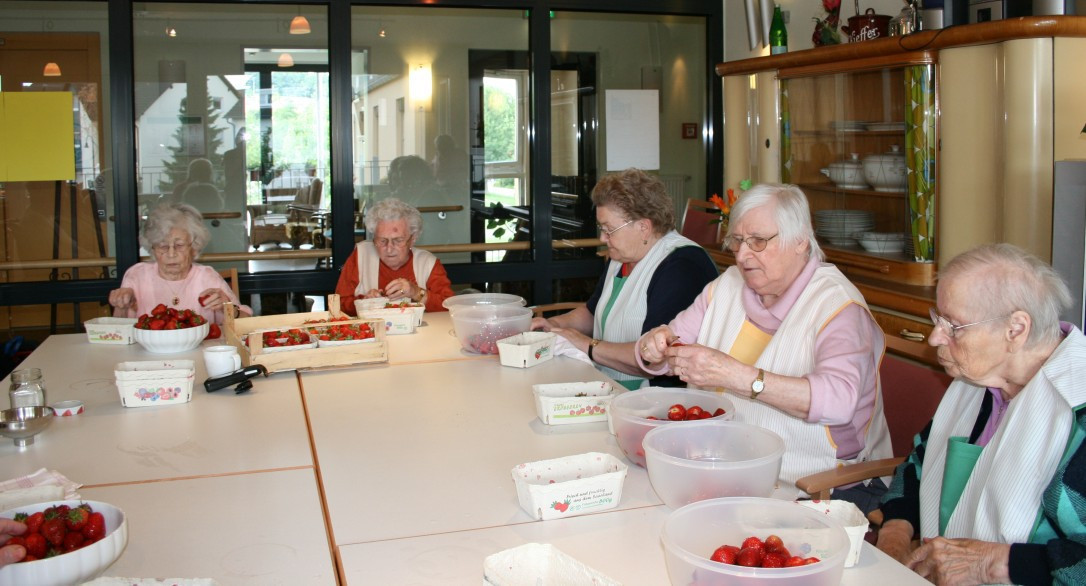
(27, 388)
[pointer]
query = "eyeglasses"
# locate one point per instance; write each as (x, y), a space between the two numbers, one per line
(755, 243)
(390, 242)
(951, 329)
(178, 247)
(605, 232)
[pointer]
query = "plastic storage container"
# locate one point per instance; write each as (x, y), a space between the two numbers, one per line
(629, 412)
(712, 459)
(474, 299)
(692, 533)
(480, 328)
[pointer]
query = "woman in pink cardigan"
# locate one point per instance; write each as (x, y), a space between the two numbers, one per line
(175, 234)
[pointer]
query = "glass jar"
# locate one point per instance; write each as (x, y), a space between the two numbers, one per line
(27, 388)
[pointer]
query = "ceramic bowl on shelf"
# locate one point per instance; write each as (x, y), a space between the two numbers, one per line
(886, 172)
(882, 242)
(847, 174)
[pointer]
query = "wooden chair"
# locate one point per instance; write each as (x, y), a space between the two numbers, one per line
(231, 277)
(911, 394)
(699, 223)
(547, 308)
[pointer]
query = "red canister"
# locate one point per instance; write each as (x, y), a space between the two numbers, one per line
(866, 26)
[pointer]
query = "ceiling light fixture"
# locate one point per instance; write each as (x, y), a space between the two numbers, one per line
(51, 70)
(285, 60)
(299, 25)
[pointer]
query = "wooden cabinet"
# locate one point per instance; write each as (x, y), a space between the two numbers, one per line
(981, 113)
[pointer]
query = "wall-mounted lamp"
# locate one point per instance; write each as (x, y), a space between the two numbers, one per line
(421, 86)
(51, 70)
(170, 31)
(299, 25)
(381, 32)
(286, 60)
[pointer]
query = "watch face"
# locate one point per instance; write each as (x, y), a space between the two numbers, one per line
(757, 386)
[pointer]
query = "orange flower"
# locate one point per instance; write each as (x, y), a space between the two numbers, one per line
(731, 197)
(719, 203)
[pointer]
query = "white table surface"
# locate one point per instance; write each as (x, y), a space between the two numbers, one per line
(258, 529)
(433, 341)
(431, 447)
(215, 433)
(624, 545)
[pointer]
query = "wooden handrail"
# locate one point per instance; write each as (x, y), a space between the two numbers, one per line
(435, 209)
(315, 253)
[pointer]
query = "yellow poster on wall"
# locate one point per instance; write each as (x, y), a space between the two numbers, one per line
(37, 139)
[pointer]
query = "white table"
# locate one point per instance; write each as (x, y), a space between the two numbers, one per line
(624, 545)
(215, 433)
(432, 446)
(257, 529)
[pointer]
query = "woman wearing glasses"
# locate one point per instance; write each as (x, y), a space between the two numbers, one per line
(390, 265)
(790, 338)
(995, 484)
(175, 234)
(653, 273)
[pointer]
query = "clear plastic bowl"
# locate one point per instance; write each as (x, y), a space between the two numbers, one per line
(457, 302)
(629, 411)
(692, 533)
(712, 459)
(479, 328)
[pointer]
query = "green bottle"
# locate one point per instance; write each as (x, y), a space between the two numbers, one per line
(778, 35)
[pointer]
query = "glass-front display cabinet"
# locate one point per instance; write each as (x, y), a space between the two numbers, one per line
(861, 142)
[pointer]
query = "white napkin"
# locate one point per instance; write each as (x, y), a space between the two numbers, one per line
(151, 582)
(563, 347)
(39, 487)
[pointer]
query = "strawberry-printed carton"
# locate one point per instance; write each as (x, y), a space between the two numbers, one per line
(527, 349)
(570, 486)
(110, 330)
(539, 563)
(562, 403)
(155, 382)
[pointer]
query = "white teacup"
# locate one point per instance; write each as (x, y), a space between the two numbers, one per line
(221, 360)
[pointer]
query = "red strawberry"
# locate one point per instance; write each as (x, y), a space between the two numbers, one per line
(158, 324)
(725, 554)
(203, 298)
(72, 541)
(33, 522)
(793, 562)
(95, 528)
(159, 309)
(213, 331)
(773, 544)
(809, 561)
(35, 546)
(76, 519)
(694, 413)
(17, 540)
(753, 542)
(719, 411)
(749, 557)
(676, 412)
(54, 531)
(774, 560)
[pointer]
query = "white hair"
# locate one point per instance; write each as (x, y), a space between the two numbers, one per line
(790, 212)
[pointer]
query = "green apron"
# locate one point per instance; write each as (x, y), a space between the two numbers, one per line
(961, 458)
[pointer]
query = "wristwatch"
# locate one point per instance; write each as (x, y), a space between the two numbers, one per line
(758, 385)
(592, 346)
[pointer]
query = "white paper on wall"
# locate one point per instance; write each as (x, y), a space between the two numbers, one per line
(633, 129)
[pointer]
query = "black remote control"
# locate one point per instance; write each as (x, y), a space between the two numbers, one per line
(237, 377)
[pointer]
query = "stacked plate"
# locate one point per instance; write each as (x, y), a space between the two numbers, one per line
(886, 126)
(839, 227)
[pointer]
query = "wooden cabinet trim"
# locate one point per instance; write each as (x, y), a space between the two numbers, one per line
(860, 64)
(929, 40)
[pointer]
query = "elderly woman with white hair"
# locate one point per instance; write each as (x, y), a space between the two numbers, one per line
(996, 481)
(791, 340)
(389, 265)
(175, 234)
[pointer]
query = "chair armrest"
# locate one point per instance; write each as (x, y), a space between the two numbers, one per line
(819, 485)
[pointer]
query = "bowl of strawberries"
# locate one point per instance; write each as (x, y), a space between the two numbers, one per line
(748, 541)
(67, 542)
(167, 330)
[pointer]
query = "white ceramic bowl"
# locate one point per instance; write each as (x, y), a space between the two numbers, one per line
(847, 174)
(629, 412)
(73, 567)
(885, 242)
(712, 459)
(171, 341)
(692, 533)
(886, 172)
(479, 328)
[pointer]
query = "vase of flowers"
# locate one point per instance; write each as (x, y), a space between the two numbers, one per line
(825, 31)
(725, 207)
